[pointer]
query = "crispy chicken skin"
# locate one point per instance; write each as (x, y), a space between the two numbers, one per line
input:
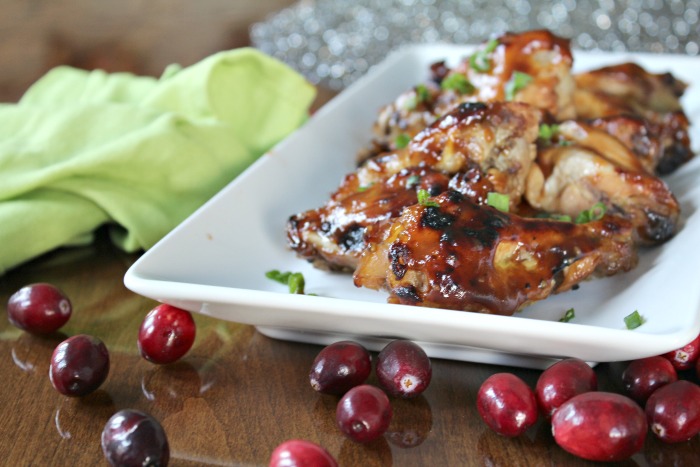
(640, 108)
(453, 253)
(498, 137)
(334, 236)
(476, 149)
(626, 88)
(544, 57)
(567, 179)
(661, 145)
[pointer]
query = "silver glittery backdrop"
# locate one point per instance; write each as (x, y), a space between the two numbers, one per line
(334, 42)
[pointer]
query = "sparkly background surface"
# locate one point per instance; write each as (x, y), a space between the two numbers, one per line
(334, 42)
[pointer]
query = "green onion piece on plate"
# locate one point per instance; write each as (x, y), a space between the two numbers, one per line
(295, 280)
(568, 316)
(281, 277)
(634, 320)
(296, 283)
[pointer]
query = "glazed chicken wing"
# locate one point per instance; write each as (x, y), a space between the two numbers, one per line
(660, 146)
(476, 149)
(453, 253)
(532, 67)
(640, 108)
(568, 179)
(626, 88)
(334, 236)
(415, 218)
(498, 137)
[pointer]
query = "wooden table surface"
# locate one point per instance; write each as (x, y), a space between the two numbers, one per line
(237, 394)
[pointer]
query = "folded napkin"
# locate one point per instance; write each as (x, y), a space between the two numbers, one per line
(82, 149)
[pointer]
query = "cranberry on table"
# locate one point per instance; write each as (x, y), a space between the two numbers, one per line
(673, 411)
(39, 308)
(363, 413)
(507, 404)
(562, 381)
(644, 376)
(403, 369)
(600, 426)
(166, 334)
(685, 357)
(301, 453)
(134, 438)
(79, 365)
(340, 367)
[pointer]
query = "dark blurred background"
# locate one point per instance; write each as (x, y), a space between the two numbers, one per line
(140, 36)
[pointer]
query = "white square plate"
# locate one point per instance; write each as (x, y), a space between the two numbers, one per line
(215, 262)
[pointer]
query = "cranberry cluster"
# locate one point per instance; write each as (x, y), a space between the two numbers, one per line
(598, 425)
(80, 364)
(364, 411)
(592, 424)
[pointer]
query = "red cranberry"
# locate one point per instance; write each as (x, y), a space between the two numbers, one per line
(166, 334)
(79, 365)
(339, 367)
(301, 453)
(673, 411)
(642, 377)
(507, 404)
(363, 413)
(600, 426)
(403, 369)
(562, 381)
(686, 356)
(134, 438)
(39, 308)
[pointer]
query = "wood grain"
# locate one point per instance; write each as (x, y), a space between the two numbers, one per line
(237, 394)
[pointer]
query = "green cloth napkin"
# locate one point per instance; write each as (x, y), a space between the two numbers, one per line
(82, 149)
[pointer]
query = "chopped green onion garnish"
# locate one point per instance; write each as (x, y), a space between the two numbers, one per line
(457, 82)
(281, 277)
(498, 201)
(295, 280)
(517, 82)
(634, 320)
(365, 187)
(402, 141)
(596, 212)
(561, 217)
(480, 60)
(412, 181)
(568, 316)
(296, 283)
(556, 217)
(422, 93)
(547, 132)
(423, 199)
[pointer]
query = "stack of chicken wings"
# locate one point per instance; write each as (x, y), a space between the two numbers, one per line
(505, 179)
